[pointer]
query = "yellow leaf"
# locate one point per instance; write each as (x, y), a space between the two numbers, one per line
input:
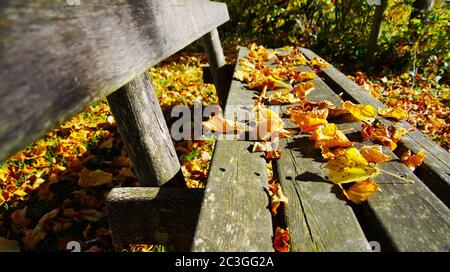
(360, 192)
(94, 178)
(219, 124)
(282, 97)
(362, 112)
(349, 167)
(268, 123)
(303, 89)
(395, 113)
(374, 154)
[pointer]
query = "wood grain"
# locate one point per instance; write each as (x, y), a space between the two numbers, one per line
(435, 169)
(56, 58)
(234, 214)
(403, 217)
(144, 131)
(146, 215)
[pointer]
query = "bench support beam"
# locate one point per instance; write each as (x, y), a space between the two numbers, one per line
(216, 59)
(144, 131)
(166, 216)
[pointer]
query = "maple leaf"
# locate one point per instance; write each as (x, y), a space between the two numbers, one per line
(386, 135)
(361, 191)
(97, 177)
(308, 120)
(262, 146)
(374, 153)
(413, 161)
(276, 195)
(362, 112)
(328, 137)
(350, 167)
(396, 113)
(281, 240)
(303, 89)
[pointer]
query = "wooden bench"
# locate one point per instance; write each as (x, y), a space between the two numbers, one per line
(403, 217)
(58, 58)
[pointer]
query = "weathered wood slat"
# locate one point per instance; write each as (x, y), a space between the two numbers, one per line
(435, 168)
(234, 215)
(154, 215)
(56, 58)
(216, 60)
(316, 218)
(403, 217)
(144, 131)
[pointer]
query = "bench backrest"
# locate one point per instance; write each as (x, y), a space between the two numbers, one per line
(57, 57)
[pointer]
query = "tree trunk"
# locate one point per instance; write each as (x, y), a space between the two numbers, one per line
(375, 33)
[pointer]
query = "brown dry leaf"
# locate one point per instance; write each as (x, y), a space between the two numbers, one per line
(361, 191)
(385, 135)
(91, 215)
(413, 161)
(396, 113)
(34, 236)
(281, 240)
(19, 217)
(94, 178)
(302, 76)
(374, 153)
(276, 195)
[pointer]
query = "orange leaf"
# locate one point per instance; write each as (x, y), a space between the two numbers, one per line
(360, 192)
(276, 195)
(374, 154)
(413, 161)
(303, 89)
(281, 240)
(328, 137)
(219, 124)
(273, 154)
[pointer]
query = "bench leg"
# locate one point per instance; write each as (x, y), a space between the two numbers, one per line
(165, 216)
(144, 131)
(216, 59)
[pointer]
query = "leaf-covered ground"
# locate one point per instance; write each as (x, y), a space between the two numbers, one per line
(53, 191)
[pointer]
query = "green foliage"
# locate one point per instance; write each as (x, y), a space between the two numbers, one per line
(339, 29)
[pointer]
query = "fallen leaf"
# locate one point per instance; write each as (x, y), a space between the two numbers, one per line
(366, 113)
(413, 161)
(272, 154)
(97, 177)
(361, 191)
(282, 97)
(219, 124)
(281, 240)
(350, 167)
(19, 217)
(328, 137)
(303, 89)
(374, 153)
(34, 236)
(276, 195)
(269, 124)
(396, 113)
